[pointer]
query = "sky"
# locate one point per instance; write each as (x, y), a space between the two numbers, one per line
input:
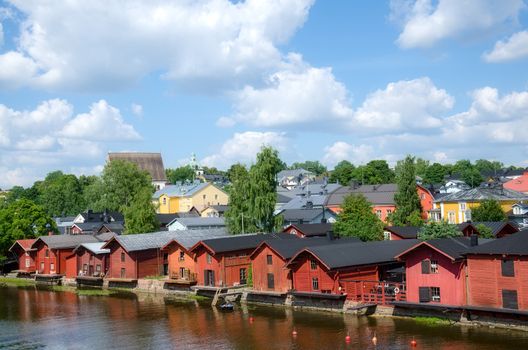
(318, 80)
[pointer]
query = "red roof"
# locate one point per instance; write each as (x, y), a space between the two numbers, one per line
(25, 243)
(519, 184)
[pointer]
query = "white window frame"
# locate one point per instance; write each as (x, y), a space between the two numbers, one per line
(433, 266)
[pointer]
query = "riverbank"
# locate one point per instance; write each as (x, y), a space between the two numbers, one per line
(156, 287)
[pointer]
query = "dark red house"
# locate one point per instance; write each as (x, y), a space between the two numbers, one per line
(435, 270)
(498, 229)
(88, 260)
(357, 270)
(309, 230)
(25, 255)
(223, 262)
(498, 273)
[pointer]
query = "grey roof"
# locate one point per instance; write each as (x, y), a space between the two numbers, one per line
(181, 190)
(200, 221)
(454, 247)
(482, 193)
(243, 242)
(496, 226)
(94, 217)
(95, 248)
(159, 239)
(375, 194)
(293, 173)
(150, 162)
(356, 254)
(516, 244)
(299, 202)
(314, 189)
(221, 208)
(282, 198)
(116, 227)
(106, 236)
(291, 215)
(65, 241)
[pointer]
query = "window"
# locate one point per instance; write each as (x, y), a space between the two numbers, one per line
(389, 211)
(85, 267)
(122, 257)
(378, 213)
(98, 268)
(204, 196)
(462, 206)
(271, 281)
(42, 267)
(123, 273)
(209, 258)
(434, 266)
(451, 217)
(182, 272)
(243, 276)
(507, 268)
(422, 196)
(517, 211)
(164, 201)
(313, 264)
(386, 235)
(216, 196)
(426, 267)
(182, 256)
(28, 262)
(435, 294)
(46, 254)
(269, 259)
(315, 283)
(509, 299)
(52, 267)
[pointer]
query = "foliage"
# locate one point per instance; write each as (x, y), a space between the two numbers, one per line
(213, 171)
(431, 321)
(238, 214)
(484, 231)
(140, 216)
(19, 192)
(488, 210)
(408, 205)
(181, 174)
(435, 174)
(343, 173)
(249, 280)
(440, 229)
(235, 170)
(472, 177)
(484, 165)
(311, 165)
(374, 172)
(61, 194)
(20, 220)
(16, 282)
(358, 220)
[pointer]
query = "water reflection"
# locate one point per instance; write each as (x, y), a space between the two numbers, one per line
(33, 319)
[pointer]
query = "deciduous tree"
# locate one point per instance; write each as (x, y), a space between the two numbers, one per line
(140, 215)
(488, 210)
(343, 173)
(184, 173)
(357, 220)
(440, 229)
(408, 206)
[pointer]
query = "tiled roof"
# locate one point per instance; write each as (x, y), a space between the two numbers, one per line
(495, 226)
(482, 193)
(181, 190)
(65, 241)
(150, 162)
(515, 244)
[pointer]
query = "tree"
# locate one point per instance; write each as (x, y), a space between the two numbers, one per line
(314, 166)
(408, 205)
(435, 174)
(488, 210)
(237, 217)
(375, 172)
(20, 220)
(357, 220)
(442, 229)
(19, 192)
(472, 177)
(181, 174)
(343, 173)
(140, 216)
(484, 165)
(484, 231)
(61, 194)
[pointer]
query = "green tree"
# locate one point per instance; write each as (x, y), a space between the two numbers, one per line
(19, 192)
(484, 231)
(20, 220)
(488, 210)
(140, 216)
(311, 165)
(461, 166)
(61, 194)
(408, 205)
(357, 220)
(343, 173)
(238, 215)
(472, 177)
(442, 229)
(484, 165)
(94, 195)
(435, 174)
(184, 173)
(421, 165)
(374, 172)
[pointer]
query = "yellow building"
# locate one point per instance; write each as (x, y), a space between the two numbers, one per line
(182, 197)
(455, 208)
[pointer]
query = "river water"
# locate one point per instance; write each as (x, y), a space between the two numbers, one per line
(42, 319)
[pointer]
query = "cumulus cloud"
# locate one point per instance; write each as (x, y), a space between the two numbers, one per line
(514, 48)
(217, 41)
(137, 109)
(425, 23)
(341, 150)
(243, 147)
(51, 135)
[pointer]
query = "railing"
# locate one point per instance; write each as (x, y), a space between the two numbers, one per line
(374, 292)
(187, 276)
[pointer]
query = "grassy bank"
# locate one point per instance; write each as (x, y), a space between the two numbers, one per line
(16, 282)
(431, 321)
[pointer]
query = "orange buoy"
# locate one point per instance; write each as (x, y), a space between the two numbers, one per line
(347, 338)
(251, 319)
(294, 333)
(413, 343)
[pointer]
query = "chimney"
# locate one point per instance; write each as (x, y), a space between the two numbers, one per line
(473, 240)
(330, 235)
(50, 232)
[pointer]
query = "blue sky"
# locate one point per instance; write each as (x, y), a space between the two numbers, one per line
(319, 80)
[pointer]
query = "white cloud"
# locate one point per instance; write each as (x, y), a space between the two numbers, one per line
(425, 23)
(215, 41)
(225, 122)
(341, 150)
(243, 148)
(515, 47)
(137, 110)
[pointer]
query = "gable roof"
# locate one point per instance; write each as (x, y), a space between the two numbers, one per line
(496, 226)
(454, 248)
(25, 244)
(65, 241)
(376, 194)
(310, 230)
(106, 236)
(240, 242)
(182, 189)
(154, 240)
(519, 184)
(95, 217)
(150, 162)
(116, 227)
(357, 254)
(200, 221)
(515, 244)
(406, 232)
(291, 215)
(482, 193)
(95, 248)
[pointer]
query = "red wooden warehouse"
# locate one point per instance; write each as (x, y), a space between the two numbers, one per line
(309, 230)
(25, 255)
(89, 260)
(498, 273)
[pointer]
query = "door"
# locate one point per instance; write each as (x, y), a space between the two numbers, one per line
(123, 273)
(243, 276)
(209, 279)
(91, 270)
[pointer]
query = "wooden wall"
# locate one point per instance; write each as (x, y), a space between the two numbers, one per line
(188, 263)
(281, 274)
(82, 256)
(303, 275)
(22, 256)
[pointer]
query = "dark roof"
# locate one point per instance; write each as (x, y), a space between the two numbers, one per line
(199, 221)
(375, 194)
(281, 198)
(65, 241)
(454, 247)
(287, 248)
(357, 254)
(496, 226)
(407, 232)
(310, 230)
(106, 236)
(117, 227)
(241, 242)
(221, 208)
(150, 162)
(516, 244)
(164, 219)
(302, 214)
(90, 216)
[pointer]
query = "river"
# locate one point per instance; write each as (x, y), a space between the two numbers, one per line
(33, 318)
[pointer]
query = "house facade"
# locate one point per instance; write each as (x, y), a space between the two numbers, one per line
(88, 259)
(26, 255)
(184, 196)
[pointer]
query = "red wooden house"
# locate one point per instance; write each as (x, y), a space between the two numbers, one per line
(25, 255)
(435, 270)
(223, 262)
(52, 251)
(88, 259)
(269, 260)
(354, 269)
(309, 230)
(498, 273)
